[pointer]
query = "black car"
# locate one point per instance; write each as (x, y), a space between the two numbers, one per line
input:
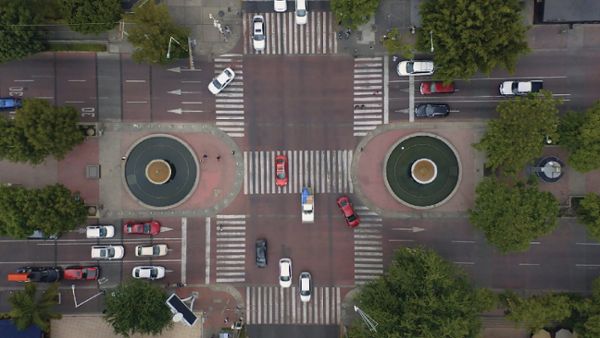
(43, 274)
(432, 110)
(261, 253)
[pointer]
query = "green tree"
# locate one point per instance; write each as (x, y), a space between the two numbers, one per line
(537, 312)
(30, 309)
(421, 295)
(516, 138)
(394, 45)
(588, 213)
(151, 34)
(19, 38)
(511, 217)
(137, 306)
(52, 209)
(96, 16)
(582, 132)
(587, 320)
(353, 13)
(472, 35)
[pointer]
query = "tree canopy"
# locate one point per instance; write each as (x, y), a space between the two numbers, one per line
(421, 295)
(581, 133)
(588, 213)
(52, 209)
(511, 217)
(19, 38)
(353, 13)
(39, 130)
(472, 35)
(137, 306)
(96, 16)
(516, 137)
(539, 311)
(152, 32)
(30, 309)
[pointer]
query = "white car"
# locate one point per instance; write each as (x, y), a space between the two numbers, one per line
(301, 12)
(258, 33)
(148, 272)
(280, 5)
(285, 272)
(108, 252)
(415, 68)
(100, 231)
(221, 81)
(151, 250)
(305, 286)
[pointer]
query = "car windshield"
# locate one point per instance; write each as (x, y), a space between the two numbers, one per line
(259, 37)
(301, 12)
(343, 203)
(156, 250)
(110, 252)
(352, 218)
(146, 227)
(216, 83)
(102, 232)
(153, 273)
(410, 67)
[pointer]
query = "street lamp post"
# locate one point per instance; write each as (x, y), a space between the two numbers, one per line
(431, 39)
(171, 39)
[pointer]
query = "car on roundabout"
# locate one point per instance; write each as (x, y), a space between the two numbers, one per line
(352, 219)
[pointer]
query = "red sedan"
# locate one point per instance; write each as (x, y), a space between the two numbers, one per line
(142, 228)
(346, 207)
(281, 170)
(436, 87)
(82, 273)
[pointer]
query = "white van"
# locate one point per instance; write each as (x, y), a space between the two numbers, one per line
(301, 12)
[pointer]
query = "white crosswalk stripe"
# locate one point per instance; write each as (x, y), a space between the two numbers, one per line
(230, 248)
(284, 36)
(229, 104)
(276, 305)
(368, 246)
(326, 171)
(368, 94)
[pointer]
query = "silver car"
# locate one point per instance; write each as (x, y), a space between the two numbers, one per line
(258, 33)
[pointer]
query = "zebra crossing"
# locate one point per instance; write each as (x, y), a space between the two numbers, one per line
(326, 171)
(284, 36)
(368, 94)
(229, 104)
(368, 246)
(230, 248)
(277, 305)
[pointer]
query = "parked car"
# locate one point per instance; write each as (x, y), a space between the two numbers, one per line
(100, 231)
(415, 68)
(10, 103)
(261, 253)
(436, 87)
(285, 272)
(301, 12)
(280, 5)
(258, 33)
(221, 81)
(142, 228)
(109, 252)
(43, 274)
(39, 234)
(151, 250)
(520, 88)
(281, 170)
(82, 272)
(148, 272)
(305, 286)
(352, 220)
(432, 110)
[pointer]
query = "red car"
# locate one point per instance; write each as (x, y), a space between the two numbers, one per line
(82, 272)
(281, 170)
(143, 228)
(346, 207)
(436, 87)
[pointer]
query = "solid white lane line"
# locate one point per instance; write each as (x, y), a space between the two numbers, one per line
(207, 251)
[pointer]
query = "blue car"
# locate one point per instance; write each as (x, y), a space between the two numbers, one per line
(10, 103)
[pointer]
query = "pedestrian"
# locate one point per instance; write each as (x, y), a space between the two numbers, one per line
(362, 106)
(205, 156)
(219, 227)
(356, 106)
(218, 157)
(233, 152)
(226, 320)
(123, 158)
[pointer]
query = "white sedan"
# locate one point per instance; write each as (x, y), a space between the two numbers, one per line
(108, 252)
(151, 250)
(148, 272)
(258, 33)
(221, 81)
(280, 5)
(285, 272)
(100, 231)
(415, 68)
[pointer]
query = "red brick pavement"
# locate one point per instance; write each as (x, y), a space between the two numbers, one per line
(71, 170)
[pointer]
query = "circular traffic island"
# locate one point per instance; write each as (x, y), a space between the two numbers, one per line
(422, 171)
(161, 171)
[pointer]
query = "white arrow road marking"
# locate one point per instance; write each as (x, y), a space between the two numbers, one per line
(179, 70)
(413, 229)
(179, 92)
(181, 111)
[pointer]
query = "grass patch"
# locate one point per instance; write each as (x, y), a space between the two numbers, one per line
(76, 47)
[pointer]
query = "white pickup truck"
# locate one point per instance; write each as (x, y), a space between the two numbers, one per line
(511, 88)
(308, 205)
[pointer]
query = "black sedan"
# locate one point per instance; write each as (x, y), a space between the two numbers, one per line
(432, 110)
(261, 253)
(44, 274)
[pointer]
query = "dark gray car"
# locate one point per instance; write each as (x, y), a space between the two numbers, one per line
(261, 253)
(432, 110)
